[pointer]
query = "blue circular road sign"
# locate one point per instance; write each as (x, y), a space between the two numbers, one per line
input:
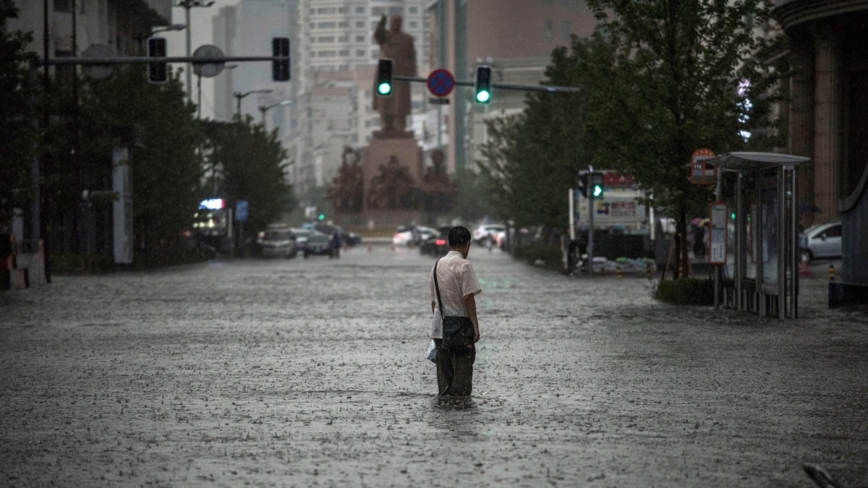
(440, 82)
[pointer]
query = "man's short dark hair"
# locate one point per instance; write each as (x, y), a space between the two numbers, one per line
(458, 236)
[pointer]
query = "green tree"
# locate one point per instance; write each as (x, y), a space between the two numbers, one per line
(17, 133)
(253, 166)
(166, 171)
(662, 78)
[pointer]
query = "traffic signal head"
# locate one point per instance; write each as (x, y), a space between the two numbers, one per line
(596, 184)
(582, 183)
(482, 89)
(157, 72)
(384, 77)
(280, 67)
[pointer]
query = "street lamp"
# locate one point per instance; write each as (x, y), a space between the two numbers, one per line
(140, 38)
(269, 107)
(240, 95)
(187, 5)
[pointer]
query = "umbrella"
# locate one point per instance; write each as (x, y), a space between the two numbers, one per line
(697, 221)
(807, 207)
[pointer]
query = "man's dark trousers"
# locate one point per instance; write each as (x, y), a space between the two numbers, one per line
(454, 371)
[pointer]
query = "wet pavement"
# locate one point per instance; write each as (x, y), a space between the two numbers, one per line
(312, 373)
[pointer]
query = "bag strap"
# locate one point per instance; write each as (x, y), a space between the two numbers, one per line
(437, 287)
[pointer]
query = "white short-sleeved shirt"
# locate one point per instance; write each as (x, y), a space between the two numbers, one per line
(456, 279)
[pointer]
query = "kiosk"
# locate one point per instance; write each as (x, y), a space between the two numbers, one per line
(762, 242)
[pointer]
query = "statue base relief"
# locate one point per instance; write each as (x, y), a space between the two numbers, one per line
(400, 144)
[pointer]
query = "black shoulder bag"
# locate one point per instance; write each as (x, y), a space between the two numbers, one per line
(458, 332)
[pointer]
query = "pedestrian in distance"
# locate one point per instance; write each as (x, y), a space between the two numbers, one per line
(335, 243)
(453, 280)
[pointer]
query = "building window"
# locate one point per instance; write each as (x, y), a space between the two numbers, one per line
(326, 25)
(342, 25)
(360, 53)
(325, 10)
(342, 10)
(565, 29)
(343, 38)
(412, 10)
(360, 24)
(344, 52)
(360, 38)
(375, 53)
(360, 10)
(547, 29)
(414, 24)
(378, 11)
(395, 10)
(63, 5)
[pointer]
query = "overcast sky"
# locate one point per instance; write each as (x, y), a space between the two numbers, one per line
(201, 20)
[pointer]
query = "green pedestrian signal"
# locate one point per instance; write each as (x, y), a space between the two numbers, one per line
(483, 84)
(384, 77)
(596, 183)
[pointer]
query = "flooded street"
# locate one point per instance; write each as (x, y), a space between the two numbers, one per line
(312, 372)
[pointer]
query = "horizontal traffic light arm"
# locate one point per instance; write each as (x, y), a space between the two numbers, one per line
(501, 86)
(148, 60)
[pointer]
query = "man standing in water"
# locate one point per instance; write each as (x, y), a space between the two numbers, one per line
(458, 289)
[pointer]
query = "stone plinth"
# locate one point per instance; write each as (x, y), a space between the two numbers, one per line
(405, 149)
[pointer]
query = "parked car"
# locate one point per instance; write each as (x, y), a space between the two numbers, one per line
(823, 241)
(412, 235)
(301, 236)
(437, 245)
(277, 241)
(318, 244)
(487, 230)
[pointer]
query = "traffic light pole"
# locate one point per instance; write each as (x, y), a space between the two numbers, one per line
(590, 228)
(501, 86)
(148, 60)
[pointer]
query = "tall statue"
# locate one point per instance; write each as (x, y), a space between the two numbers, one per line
(397, 46)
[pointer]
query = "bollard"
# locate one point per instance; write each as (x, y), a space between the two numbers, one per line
(831, 272)
(648, 270)
(618, 271)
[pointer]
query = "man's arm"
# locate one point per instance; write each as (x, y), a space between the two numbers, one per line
(470, 306)
(380, 34)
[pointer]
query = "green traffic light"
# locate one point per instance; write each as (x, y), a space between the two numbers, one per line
(384, 88)
(483, 96)
(322, 216)
(732, 216)
(598, 190)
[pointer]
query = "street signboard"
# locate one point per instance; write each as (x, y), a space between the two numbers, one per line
(98, 51)
(702, 173)
(717, 236)
(440, 82)
(438, 101)
(241, 207)
(208, 70)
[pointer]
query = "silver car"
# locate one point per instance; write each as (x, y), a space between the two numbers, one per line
(822, 241)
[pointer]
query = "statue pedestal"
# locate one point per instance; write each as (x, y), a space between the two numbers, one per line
(405, 149)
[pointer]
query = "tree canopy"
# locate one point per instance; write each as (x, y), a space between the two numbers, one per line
(17, 132)
(253, 165)
(659, 79)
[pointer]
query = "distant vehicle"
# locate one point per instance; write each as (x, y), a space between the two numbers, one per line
(412, 235)
(317, 244)
(348, 238)
(823, 241)
(301, 236)
(487, 230)
(277, 242)
(437, 245)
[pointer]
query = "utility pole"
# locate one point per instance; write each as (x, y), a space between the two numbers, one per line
(187, 5)
(43, 190)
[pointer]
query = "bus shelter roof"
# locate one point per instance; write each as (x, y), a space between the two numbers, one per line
(755, 161)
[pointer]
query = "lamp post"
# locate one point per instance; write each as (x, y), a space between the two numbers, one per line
(187, 5)
(264, 109)
(140, 38)
(239, 96)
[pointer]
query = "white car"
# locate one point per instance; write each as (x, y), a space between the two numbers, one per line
(412, 235)
(823, 241)
(487, 230)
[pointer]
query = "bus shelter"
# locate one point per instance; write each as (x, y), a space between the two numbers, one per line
(761, 272)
